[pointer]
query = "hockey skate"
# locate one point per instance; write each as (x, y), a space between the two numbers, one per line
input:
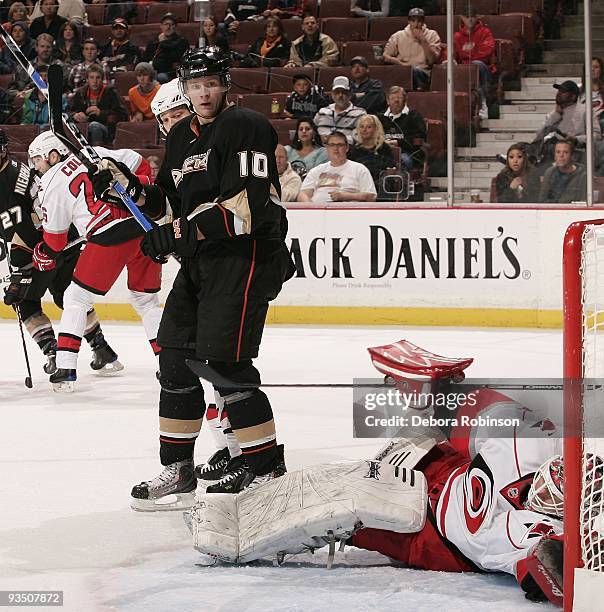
(105, 362)
(50, 352)
(238, 475)
(63, 380)
(173, 489)
(213, 468)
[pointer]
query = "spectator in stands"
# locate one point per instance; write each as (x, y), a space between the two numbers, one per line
(285, 9)
(338, 180)
(370, 8)
(405, 128)
(415, 46)
(565, 181)
(166, 50)
(99, 105)
(155, 164)
(518, 181)
(474, 44)
(366, 93)
(306, 99)
(68, 47)
(597, 89)
(90, 53)
(342, 115)
(20, 34)
(272, 49)
(313, 48)
(288, 178)
(567, 119)
(306, 150)
(242, 10)
(141, 95)
(119, 8)
(370, 149)
(49, 22)
(16, 12)
(72, 10)
(212, 35)
(119, 53)
(44, 44)
(35, 105)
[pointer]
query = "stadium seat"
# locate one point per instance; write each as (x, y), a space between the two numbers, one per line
(520, 6)
(345, 29)
(262, 103)
(433, 105)
(219, 10)
(156, 11)
(20, 136)
(249, 31)
(143, 134)
(393, 75)
(465, 78)
(371, 50)
(124, 81)
(483, 7)
(140, 14)
(95, 13)
(326, 76)
(249, 80)
(512, 27)
(158, 152)
(382, 28)
(190, 31)
(141, 34)
(292, 28)
(436, 138)
(281, 78)
(284, 128)
(334, 8)
(100, 33)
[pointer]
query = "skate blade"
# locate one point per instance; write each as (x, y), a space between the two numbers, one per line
(110, 369)
(176, 501)
(67, 386)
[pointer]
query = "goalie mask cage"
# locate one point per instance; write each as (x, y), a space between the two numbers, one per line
(583, 280)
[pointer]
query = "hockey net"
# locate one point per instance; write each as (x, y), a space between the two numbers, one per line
(583, 414)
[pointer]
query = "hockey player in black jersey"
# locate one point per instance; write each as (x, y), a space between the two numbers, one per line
(221, 179)
(19, 226)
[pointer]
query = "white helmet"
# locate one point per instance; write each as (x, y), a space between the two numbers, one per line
(43, 144)
(546, 494)
(168, 96)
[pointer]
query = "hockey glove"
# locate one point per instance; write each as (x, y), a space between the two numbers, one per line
(18, 288)
(108, 173)
(178, 237)
(43, 259)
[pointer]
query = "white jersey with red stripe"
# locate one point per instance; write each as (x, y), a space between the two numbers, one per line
(66, 197)
(480, 509)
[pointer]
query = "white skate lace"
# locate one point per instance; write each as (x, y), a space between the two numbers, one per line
(169, 473)
(231, 476)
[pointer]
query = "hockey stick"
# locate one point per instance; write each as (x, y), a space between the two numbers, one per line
(91, 158)
(28, 381)
(91, 155)
(208, 373)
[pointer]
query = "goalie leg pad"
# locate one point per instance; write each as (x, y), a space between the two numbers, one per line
(296, 512)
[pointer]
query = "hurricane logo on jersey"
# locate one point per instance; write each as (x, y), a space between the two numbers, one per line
(478, 494)
(374, 470)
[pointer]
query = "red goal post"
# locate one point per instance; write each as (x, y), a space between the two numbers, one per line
(583, 304)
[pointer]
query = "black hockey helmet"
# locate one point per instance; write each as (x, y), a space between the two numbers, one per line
(210, 61)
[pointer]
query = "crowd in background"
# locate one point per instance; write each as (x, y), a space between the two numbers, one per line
(383, 136)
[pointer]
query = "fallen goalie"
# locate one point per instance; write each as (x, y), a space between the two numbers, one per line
(457, 501)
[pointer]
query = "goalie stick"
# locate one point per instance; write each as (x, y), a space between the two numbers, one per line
(203, 370)
(91, 158)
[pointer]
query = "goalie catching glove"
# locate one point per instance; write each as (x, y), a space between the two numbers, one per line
(110, 171)
(178, 238)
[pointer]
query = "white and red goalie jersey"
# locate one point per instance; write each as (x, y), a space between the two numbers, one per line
(66, 197)
(477, 486)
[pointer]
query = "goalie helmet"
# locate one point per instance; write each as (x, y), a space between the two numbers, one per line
(43, 144)
(167, 97)
(546, 494)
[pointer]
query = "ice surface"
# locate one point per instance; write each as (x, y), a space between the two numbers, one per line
(67, 464)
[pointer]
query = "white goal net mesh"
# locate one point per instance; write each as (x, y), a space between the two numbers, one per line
(592, 501)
